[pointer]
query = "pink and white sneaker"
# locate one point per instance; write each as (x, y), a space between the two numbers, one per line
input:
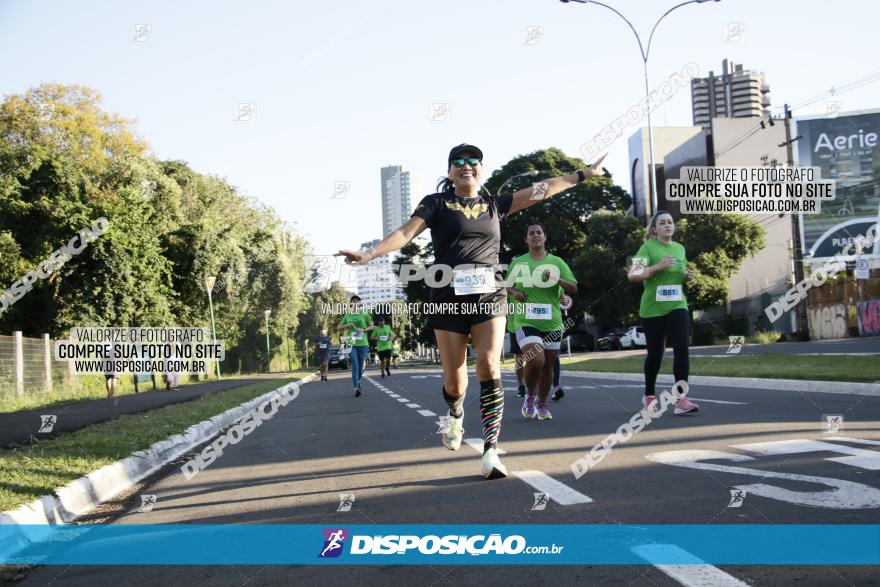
(543, 412)
(528, 408)
(649, 402)
(686, 406)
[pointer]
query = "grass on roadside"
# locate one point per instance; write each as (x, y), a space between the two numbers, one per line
(88, 387)
(38, 469)
(768, 365)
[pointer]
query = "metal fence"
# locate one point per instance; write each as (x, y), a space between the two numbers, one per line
(29, 373)
(27, 366)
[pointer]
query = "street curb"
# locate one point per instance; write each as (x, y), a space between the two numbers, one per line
(750, 382)
(82, 495)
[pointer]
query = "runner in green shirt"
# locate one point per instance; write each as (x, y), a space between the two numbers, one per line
(395, 354)
(356, 324)
(661, 266)
(539, 327)
(383, 336)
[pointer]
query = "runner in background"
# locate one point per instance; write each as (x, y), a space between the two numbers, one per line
(357, 324)
(661, 266)
(514, 346)
(322, 344)
(538, 279)
(383, 336)
(565, 303)
(395, 354)
(558, 392)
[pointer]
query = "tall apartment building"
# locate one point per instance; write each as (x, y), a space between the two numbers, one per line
(734, 93)
(398, 188)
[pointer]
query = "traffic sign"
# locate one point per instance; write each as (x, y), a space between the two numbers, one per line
(862, 271)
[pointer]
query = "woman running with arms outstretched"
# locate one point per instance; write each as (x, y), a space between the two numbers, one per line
(465, 231)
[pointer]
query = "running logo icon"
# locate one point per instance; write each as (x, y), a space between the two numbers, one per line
(833, 423)
(541, 500)
(539, 190)
(148, 500)
(334, 542)
(47, 423)
(346, 500)
(737, 496)
(736, 344)
(638, 266)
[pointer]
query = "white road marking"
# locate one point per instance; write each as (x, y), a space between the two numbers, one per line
(694, 574)
(855, 440)
(427, 413)
(718, 401)
(413, 406)
(402, 399)
(393, 395)
(558, 492)
(859, 457)
(842, 495)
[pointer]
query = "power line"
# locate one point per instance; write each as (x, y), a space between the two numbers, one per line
(833, 91)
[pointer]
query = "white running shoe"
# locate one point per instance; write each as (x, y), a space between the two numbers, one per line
(454, 433)
(491, 465)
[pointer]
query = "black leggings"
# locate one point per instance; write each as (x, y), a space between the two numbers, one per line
(556, 371)
(674, 326)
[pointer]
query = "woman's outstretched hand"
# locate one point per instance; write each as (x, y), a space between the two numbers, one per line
(353, 257)
(595, 169)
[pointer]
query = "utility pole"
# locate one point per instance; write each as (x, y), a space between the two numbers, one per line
(803, 328)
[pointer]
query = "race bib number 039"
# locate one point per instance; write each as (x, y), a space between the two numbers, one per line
(669, 293)
(539, 312)
(478, 280)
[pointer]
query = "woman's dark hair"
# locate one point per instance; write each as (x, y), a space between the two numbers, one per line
(445, 185)
(353, 298)
(535, 223)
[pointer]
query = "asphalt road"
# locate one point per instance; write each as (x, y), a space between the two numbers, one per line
(386, 452)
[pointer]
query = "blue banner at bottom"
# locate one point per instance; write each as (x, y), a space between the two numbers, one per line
(203, 544)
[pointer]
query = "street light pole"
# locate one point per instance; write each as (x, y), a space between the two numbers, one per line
(268, 352)
(645, 51)
(209, 287)
(531, 173)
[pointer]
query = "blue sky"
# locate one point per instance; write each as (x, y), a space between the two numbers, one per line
(343, 88)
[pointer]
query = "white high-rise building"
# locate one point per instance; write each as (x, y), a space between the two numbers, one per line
(376, 281)
(736, 93)
(398, 189)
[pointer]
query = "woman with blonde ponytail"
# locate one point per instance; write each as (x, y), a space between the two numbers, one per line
(661, 266)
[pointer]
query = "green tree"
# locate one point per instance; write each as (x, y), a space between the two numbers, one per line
(417, 292)
(604, 291)
(565, 214)
(716, 245)
(64, 163)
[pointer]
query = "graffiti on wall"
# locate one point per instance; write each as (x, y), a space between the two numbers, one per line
(828, 322)
(869, 318)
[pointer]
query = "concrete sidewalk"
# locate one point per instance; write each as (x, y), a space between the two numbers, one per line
(20, 428)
